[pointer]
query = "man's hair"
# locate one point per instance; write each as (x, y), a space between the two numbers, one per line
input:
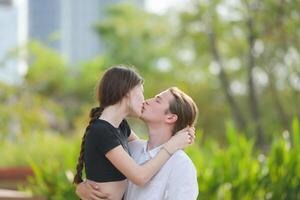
(184, 107)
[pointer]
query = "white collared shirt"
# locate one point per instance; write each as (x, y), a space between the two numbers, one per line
(176, 180)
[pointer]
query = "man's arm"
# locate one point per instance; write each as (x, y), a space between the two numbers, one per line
(182, 183)
(88, 190)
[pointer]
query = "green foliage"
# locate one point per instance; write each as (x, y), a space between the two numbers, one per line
(37, 148)
(133, 36)
(24, 113)
(52, 158)
(54, 176)
(47, 72)
(239, 171)
(89, 75)
(174, 49)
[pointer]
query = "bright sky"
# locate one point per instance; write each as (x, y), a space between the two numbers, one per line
(161, 6)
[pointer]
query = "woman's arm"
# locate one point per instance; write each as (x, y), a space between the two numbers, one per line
(140, 175)
(132, 136)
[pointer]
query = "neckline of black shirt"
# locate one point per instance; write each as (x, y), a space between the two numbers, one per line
(118, 129)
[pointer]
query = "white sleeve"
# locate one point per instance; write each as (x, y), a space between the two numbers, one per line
(182, 182)
(135, 146)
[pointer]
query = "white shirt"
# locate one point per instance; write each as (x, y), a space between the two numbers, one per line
(177, 179)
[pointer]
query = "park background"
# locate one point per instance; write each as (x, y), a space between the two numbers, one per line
(238, 59)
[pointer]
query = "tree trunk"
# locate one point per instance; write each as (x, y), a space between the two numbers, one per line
(284, 119)
(237, 114)
(253, 101)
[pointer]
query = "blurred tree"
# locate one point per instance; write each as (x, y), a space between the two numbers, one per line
(47, 71)
(133, 36)
(254, 40)
(238, 60)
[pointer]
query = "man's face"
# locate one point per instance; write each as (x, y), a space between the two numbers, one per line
(155, 109)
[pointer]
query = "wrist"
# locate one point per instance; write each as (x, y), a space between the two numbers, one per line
(170, 148)
(167, 151)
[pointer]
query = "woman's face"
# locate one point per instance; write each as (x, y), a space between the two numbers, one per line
(136, 99)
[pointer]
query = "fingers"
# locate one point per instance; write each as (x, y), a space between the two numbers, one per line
(192, 136)
(100, 195)
(94, 197)
(192, 130)
(96, 193)
(93, 184)
(191, 140)
(186, 128)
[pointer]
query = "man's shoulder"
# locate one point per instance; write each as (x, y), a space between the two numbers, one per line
(137, 142)
(182, 159)
(180, 155)
(136, 145)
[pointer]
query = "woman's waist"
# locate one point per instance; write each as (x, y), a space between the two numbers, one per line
(114, 189)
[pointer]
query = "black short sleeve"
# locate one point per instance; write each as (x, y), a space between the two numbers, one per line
(125, 128)
(104, 137)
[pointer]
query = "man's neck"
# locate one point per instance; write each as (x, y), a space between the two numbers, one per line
(114, 114)
(158, 135)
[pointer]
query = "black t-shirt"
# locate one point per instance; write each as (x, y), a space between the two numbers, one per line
(101, 138)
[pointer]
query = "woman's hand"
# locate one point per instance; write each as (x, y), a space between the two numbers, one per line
(181, 139)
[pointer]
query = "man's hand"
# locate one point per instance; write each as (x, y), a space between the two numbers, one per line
(88, 190)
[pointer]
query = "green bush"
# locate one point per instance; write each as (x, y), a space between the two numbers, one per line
(52, 158)
(241, 172)
(54, 176)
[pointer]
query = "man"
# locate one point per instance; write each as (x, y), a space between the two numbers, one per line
(164, 115)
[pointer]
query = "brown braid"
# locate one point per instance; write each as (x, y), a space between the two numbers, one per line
(94, 114)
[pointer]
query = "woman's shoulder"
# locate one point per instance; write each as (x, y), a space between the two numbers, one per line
(98, 123)
(99, 126)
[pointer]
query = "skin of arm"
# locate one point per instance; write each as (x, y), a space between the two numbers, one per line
(139, 175)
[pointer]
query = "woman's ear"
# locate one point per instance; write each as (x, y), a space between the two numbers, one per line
(126, 99)
(127, 94)
(171, 118)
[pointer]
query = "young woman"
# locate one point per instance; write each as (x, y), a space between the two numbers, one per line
(104, 150)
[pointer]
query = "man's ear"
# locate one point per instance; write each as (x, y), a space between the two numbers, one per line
(171, 118)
